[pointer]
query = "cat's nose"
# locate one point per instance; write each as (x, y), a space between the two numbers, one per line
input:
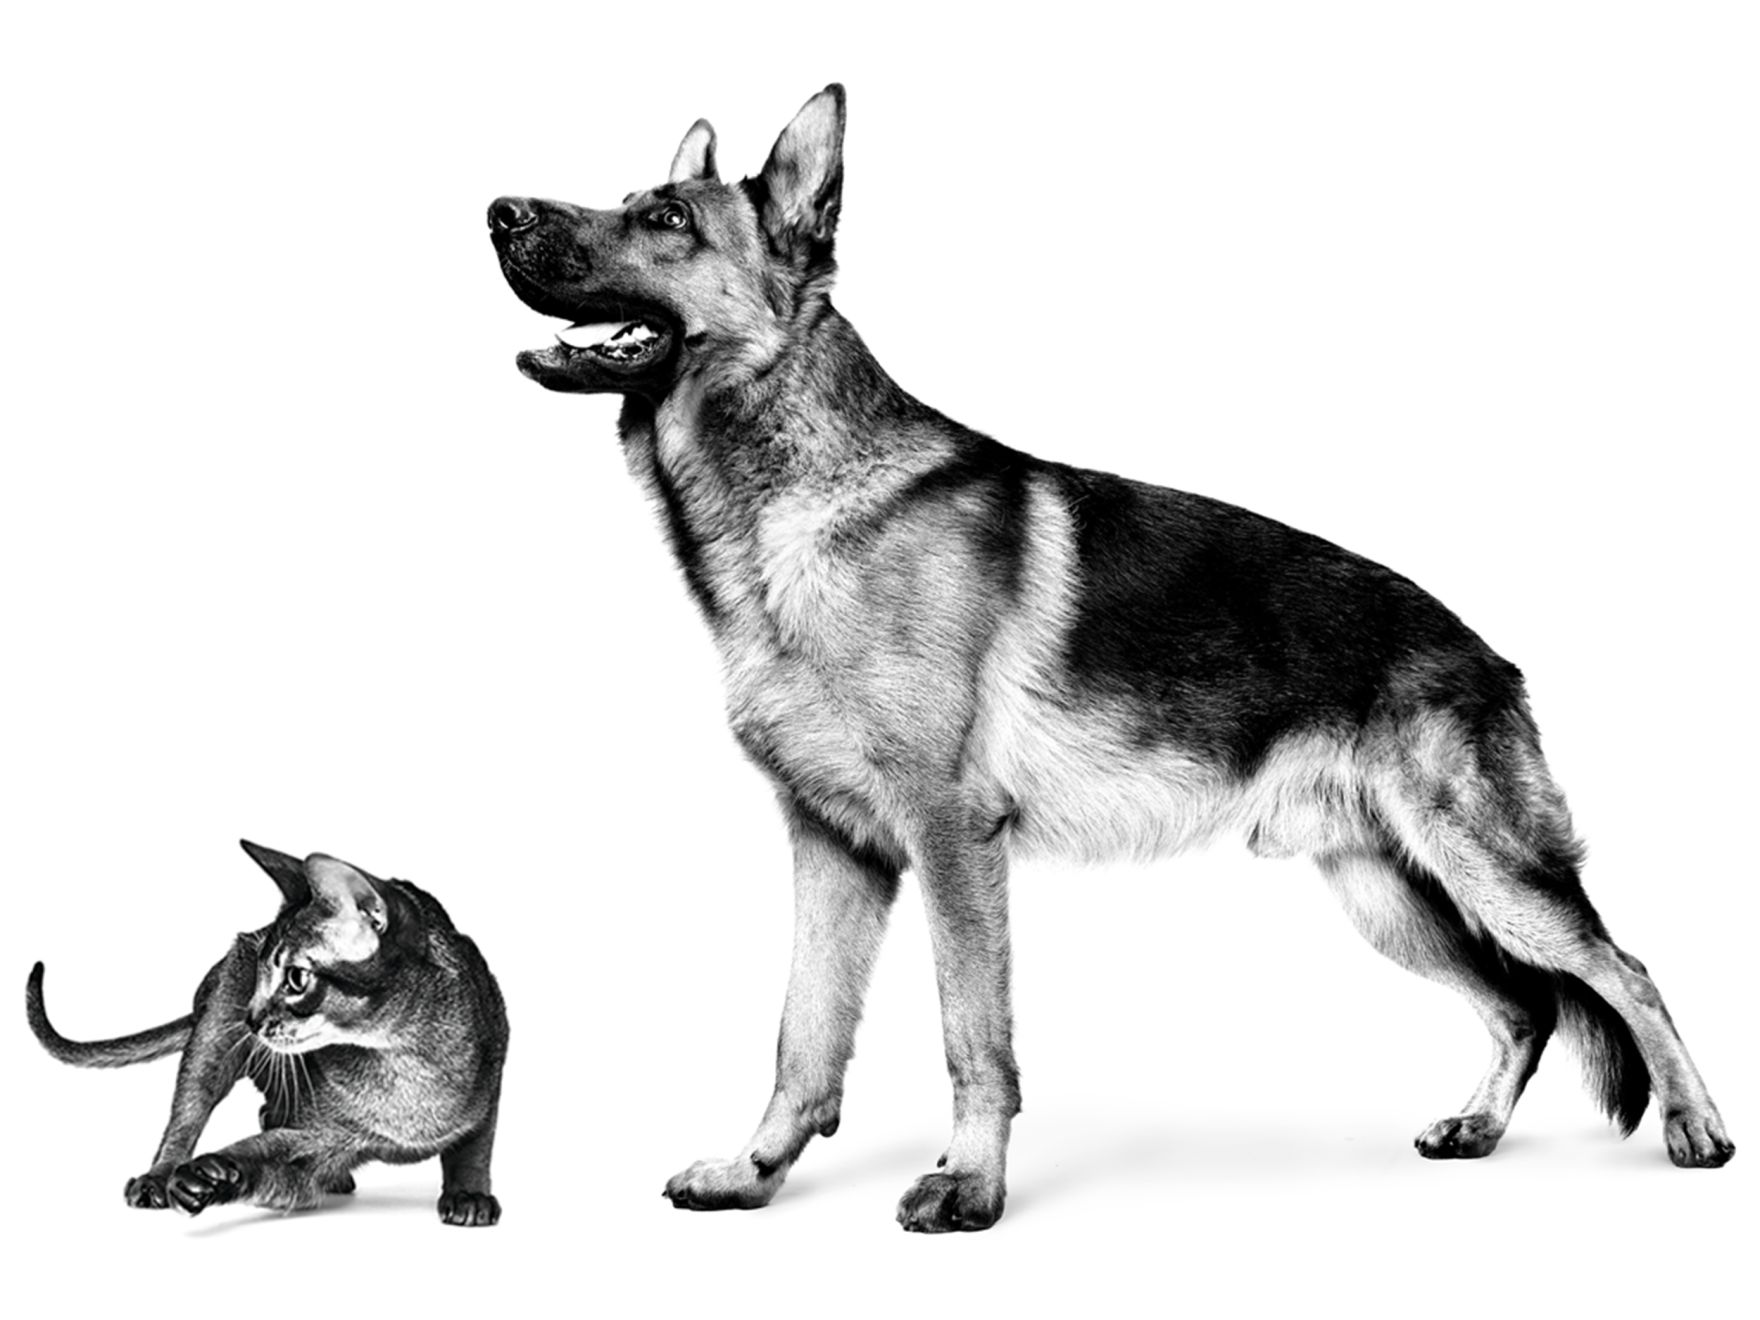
(253, 1019)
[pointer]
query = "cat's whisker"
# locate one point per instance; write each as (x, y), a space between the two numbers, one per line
(245, 1036)
(305, 1072)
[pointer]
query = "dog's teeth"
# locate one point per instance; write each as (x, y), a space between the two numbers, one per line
(587, 336)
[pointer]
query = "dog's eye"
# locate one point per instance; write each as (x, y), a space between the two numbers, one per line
(672, 217)
(298, 980)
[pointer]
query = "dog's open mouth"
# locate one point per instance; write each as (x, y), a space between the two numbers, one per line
(626, 343)
(612, 349)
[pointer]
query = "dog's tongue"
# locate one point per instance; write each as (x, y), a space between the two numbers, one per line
(590, 336)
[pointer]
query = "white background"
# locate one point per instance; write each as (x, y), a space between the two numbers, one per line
(291, 551)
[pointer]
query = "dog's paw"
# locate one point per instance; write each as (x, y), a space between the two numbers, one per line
(204, 1181)
(469, 1209)
(951, 1203)
(1696, 1139)
(1464, 1137)
(736, 1184)
(147, 1192)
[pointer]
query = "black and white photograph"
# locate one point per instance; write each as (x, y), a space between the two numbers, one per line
(881, 658)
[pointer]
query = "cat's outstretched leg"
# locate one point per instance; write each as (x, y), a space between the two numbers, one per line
(284, 1169)
(465, 1199)
(214, 1059)
(273, 1115)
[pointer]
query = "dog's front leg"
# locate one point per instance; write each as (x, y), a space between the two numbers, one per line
(841, 897)
(964, 874)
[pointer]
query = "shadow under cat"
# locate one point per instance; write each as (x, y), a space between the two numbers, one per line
(373, 1028)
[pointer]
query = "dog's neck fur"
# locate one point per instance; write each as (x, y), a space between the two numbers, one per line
(821, 422)
(820, 401)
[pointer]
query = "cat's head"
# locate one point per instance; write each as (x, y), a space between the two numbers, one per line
(329, 969)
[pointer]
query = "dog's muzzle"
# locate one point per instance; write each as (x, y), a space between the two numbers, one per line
(617, 341)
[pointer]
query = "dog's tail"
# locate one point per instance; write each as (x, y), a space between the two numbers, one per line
(1565, 1006)
(1613, 1068)
(155, 1043)
(1558, 1002)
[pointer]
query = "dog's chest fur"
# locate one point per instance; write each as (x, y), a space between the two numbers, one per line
(847, 653)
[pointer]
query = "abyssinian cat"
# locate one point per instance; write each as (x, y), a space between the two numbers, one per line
(373, 1028)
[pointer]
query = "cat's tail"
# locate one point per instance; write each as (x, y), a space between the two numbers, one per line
(118, 1053)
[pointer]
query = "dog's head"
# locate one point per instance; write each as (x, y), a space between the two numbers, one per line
(691, 272)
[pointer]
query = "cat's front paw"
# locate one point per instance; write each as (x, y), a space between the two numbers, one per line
(469, 1209)
(147, 1192)
(204, 1181)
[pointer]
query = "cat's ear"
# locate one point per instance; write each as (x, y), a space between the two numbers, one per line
(288, 873)
(358, 911)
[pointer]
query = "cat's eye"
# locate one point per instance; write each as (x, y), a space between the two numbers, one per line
(298, 980)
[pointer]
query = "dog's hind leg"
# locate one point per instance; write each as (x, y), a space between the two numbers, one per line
(842, 894)
(1692, 1128)
(1599, 976)
(1483, 816)
(964, 877)
(1405, 916)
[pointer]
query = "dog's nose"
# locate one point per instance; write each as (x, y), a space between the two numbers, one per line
(509, 215)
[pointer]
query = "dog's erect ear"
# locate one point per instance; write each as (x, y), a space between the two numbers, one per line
(803, 179)
(696, 155)
(288, 873)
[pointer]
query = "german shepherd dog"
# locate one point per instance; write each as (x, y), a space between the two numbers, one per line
(945, 653)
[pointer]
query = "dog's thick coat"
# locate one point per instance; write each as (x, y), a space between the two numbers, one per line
(945, 652)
